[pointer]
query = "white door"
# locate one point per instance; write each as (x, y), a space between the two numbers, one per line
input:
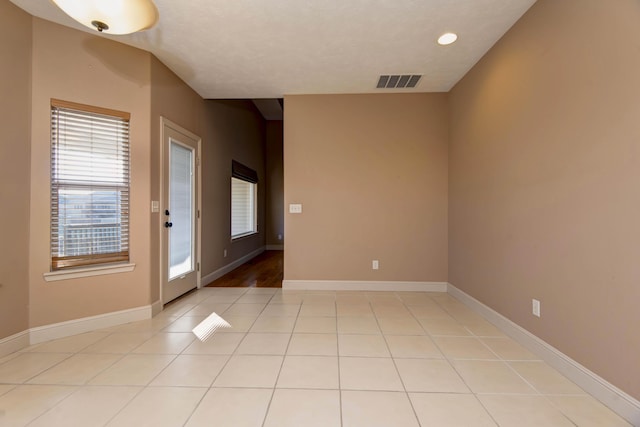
(180, 211)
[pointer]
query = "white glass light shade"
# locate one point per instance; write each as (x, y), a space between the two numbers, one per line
(119, 16)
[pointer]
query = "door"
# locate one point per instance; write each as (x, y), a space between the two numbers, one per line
(180, 211)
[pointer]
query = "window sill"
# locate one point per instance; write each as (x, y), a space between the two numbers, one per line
(77, 273)
(243, 236)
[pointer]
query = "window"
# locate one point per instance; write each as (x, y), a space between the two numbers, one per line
(89, 185)
(244, 197)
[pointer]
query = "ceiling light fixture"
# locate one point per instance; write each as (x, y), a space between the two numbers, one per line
(112, 16)
(447, 38)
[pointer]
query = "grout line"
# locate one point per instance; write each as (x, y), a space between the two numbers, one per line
(69, 356)
(540, 394)
(338, 362)
(451, 364)
(395, 365)
(458, 373)
(197, 405)
(275, 384)
(118, 412)
(51, 408)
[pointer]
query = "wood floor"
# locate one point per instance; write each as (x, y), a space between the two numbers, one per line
(264, 271)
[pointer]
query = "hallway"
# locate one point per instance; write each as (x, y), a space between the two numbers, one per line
(263, 271)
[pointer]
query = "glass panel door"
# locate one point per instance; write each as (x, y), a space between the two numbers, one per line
(181, 207)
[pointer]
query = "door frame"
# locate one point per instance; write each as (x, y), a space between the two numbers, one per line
(164, 122)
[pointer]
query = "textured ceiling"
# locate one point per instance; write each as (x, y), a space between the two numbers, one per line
(266, 49)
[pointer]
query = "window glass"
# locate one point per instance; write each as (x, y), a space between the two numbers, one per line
(243, 207)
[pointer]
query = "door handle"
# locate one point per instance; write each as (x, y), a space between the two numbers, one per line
(168, 224)
(166, 212)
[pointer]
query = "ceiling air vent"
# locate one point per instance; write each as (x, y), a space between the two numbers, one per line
(398, 81)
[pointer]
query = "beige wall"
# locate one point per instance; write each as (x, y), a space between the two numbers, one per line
(15, 86)
(175, 100)
(80, 67)
(229, 130)
(371, 174)
(544, 181)
(233, 130)
(275, 183)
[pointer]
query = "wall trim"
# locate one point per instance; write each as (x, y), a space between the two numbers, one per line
(85, 324)
(275, 247)
(230, 267)
(13, 343)
(156, 308)
(359, 285)
(88, 272)
(617, 400)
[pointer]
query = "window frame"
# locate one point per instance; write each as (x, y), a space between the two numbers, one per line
(61, 262)
(245, 174)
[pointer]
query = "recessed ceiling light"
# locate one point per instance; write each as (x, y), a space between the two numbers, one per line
(447, 38)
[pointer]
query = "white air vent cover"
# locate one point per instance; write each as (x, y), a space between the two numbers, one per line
(398, 81)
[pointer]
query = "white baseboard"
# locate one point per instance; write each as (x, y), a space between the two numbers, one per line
(230, 267)
(156, 308)
(617, 400)
(275, 247)
(357, 285)
(77, 326)
(14, 343)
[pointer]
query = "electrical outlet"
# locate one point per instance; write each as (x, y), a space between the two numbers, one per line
(279, 236)
(295, 208)
(375, 264)
(224, 253)
(535, 304)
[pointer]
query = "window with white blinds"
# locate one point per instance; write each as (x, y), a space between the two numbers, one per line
(243, 207)
(89, 185)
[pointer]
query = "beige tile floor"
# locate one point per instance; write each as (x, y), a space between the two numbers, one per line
(352, 359)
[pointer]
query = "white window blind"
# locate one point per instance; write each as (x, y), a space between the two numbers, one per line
(89, 185)
(243, 207)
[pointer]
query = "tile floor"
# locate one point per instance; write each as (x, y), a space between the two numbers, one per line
(296, 359)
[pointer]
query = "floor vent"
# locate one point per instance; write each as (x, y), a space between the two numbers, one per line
(398, 81)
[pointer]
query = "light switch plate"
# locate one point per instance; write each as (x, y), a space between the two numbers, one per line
(295, 208)
(535, 307)
(155, 206)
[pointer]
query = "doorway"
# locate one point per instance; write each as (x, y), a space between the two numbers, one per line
(180, 210)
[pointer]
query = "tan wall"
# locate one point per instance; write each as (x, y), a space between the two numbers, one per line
(80, 67)
(544, 173)
(275, 183)
(233, 130)
(371, 174)
(175, 100)
(229, 130)
(15, 119)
